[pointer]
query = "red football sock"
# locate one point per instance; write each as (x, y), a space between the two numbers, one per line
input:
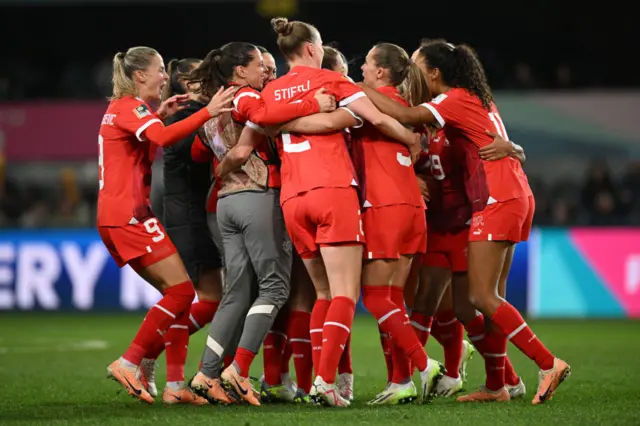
(475, 331)
(344, 366)
(316, 324)
(335, 333)
(176, 341)
(273, 349)
(449, 332)
(156, 349)
(176, 301)
(392, 320)
(494, 359)
(243, 360)
(401, 363)
(286, 358)
(509, 320)
(421, 326)
(226, 361)
(385, 342)
(201, 314)
(300, 343)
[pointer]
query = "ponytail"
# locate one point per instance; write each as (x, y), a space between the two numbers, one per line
(218, 67)
(125, 64)
(414, 87)
(206, 78)
(470, 74)
(177, 69)
(123, 85)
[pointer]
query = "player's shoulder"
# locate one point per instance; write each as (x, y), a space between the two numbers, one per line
(136, 106)
(246, 92)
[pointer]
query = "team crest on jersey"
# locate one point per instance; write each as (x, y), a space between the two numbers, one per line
(141, 111)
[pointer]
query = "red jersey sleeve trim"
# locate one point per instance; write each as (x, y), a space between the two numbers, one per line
(346, 101)
(144, 127)
(435, 113)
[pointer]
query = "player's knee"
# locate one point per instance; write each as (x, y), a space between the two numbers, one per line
(276, 296)
(183, 294)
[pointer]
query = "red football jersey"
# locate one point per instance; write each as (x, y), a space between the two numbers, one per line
(125, 163)
(389, 178)
(449, 208)
(462, 115)
(312, 161)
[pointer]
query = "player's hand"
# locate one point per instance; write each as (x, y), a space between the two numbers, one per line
(326, 101)
(497, 149)
(172, 105)
(415, 148)
(221, 101)
(424, 188)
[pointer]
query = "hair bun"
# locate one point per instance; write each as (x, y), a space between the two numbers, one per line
(281, 26)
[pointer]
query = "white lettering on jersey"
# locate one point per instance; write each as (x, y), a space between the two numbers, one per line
(107, 120)
(290, 92)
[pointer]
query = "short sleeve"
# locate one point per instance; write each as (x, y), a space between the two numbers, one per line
(135, 118)
(345, 91)
(445, 108)
(246, 101)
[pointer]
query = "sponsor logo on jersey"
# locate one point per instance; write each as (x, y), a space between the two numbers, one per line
(141, 111)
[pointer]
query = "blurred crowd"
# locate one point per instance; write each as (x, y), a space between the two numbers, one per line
(601, 198)
(83, 80)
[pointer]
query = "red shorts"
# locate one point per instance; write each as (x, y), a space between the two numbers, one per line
(447, 250)
(139, 245)
(393, 231)
(321, 217)
(507, 221)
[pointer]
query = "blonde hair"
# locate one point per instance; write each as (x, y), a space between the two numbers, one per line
(125, 64)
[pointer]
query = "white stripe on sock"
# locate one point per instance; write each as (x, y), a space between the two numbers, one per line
(164, 310)
(299, 340)
(315, 330)
(496, 355)
(184, 327)
(193, 321)
(387, 315)
(517, 330)
(337, 324)
(476, 338)
(420, 327)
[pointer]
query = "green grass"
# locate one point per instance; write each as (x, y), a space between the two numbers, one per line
(46, 378)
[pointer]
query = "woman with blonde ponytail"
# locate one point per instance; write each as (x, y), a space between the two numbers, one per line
(130, 132)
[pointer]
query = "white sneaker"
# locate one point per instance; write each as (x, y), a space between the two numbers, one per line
(517, 391)
(396, 394)
(284, 392)
(147, 375)
(430, 378)
(326, 394)
(448, 386)
(345, 386)
(288, 382)
(468, 351)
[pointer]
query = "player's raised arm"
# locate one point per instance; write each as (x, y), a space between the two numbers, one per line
(413, 116)
(340, 119)
(161, 135)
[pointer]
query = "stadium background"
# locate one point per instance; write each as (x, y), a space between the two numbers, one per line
(563, 82)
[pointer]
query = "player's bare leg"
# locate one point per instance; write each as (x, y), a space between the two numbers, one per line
(170, 277)
(514, 384)
(301, 302)
(323, 392)
(386, 303)
(486, 262)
